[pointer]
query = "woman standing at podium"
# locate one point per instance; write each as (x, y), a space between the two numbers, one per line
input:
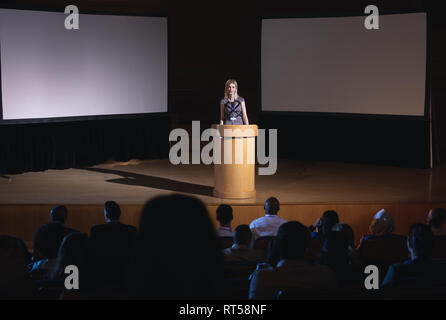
(232, 106)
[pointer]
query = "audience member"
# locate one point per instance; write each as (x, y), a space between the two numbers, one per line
(14, 280)
(349, 235)
(108, 253)
(180, 260)
(71, 252)
(224, 217)
(269, 224)
(324, 225)
(336, 254)
(419, 271)
(292, 273)
(382, 223)
(241, 250)
(381, 227)
(47, 240)
(183, 260)
(436, 220)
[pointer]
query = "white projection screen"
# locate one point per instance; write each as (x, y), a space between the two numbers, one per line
(111, 65)
(336, 65)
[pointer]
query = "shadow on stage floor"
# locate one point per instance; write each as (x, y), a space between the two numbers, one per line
(135, 179)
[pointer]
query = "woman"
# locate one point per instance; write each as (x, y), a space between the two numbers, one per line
(232, 106)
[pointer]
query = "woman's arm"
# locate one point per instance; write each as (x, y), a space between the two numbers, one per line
(244, 114)
(222, 113)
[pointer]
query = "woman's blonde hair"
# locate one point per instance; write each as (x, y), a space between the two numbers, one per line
(228, 82)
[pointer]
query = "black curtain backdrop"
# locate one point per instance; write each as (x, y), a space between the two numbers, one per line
(36, 147)
(383, 141)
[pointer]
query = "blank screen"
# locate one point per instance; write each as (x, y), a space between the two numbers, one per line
(336, 65)
(111, 65)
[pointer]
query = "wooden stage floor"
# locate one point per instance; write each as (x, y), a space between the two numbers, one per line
(136, 181)
(305, 190)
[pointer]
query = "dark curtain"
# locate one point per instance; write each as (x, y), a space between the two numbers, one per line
(61, 145)
(383, 141)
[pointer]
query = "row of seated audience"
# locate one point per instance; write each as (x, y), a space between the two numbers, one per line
(417, 261)
(270, 259)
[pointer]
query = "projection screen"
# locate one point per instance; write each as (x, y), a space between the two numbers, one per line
(111, 65)
(336, 65)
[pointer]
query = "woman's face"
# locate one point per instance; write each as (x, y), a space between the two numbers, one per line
(231, 89)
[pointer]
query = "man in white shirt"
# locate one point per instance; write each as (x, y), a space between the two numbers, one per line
(270, 223)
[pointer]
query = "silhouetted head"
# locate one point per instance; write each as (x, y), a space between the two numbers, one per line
(437, 218)
(224, 214)
(420, 241)
(11, 249)
(272, 206)
(242, 234)
(347, 231)
(59, 214)
(177, 253)
(328, 220)
(292, 240)
(71, 252)
(382, 223)
(112, 211)
(335, 250)
(14, 279)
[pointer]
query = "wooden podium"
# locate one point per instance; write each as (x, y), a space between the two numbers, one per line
(234, 177)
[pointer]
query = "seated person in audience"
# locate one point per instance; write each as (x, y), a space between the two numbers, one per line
(348, 233)
(382, 227)
(269, 224)
(292, 273)
(177, 253)
(108, 252)
(241, 250)
(47, 240)
(419, 271)
(14, 280)
(224, 217)
(71, 252)
(436, 220)
(336, 254)
(322, 227)
(28, 255)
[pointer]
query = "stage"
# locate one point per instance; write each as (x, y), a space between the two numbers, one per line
(304, 189)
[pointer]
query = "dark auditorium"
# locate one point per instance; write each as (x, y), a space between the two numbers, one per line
(222, 158)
